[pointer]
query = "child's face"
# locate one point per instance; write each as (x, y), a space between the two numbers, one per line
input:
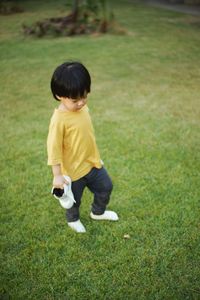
(73, 104)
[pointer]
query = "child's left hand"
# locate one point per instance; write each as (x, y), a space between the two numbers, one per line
(59, 181)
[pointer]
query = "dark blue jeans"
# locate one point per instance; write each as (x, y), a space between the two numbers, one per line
(100, 184)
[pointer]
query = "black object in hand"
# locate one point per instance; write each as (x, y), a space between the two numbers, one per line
(58, 192)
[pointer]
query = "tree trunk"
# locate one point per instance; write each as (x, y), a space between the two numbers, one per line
(75, 10)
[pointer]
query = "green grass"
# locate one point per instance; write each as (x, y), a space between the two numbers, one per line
(145, 105)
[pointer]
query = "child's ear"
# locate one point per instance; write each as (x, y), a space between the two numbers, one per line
(59, 98)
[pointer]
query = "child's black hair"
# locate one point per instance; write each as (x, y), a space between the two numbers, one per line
(71, 80)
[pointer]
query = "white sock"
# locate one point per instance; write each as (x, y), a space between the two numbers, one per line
(77, 226)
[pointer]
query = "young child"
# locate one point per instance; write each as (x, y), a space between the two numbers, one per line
(71, 145)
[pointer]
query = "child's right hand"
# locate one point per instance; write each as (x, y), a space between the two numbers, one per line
(59, 181)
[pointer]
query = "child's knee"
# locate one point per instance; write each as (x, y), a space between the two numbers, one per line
(110, 187)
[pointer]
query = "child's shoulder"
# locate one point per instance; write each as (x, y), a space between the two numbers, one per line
(87, 108)
(58, 117)
(59, 114)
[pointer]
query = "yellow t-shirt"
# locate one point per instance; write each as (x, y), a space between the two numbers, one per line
(71, 143)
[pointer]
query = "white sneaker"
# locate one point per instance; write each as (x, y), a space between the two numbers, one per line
(107, 215)
(77, 226)
(67, 199)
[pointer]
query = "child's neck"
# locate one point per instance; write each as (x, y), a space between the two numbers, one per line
(62, 107)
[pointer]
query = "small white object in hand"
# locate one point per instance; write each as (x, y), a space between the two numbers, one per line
(67, 199)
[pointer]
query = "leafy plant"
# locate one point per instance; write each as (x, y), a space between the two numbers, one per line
(86, 17)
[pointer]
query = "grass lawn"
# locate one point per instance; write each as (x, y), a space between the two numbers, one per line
(145, 105)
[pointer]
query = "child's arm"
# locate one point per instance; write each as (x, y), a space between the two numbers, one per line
(58, 179)
(54, 149)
